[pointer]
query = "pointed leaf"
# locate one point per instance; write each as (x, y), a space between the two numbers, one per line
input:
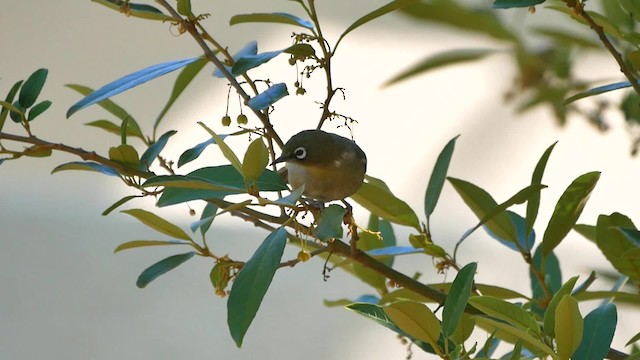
(157, 223)
(252, 283)
(439, 61)
(568, 210)
(249, 62)
(381, 202)
(89, 166)
(533, 204)
(635, 338)
(120, 202)
(250, 49)
(129, 81)
(6, 104)
(255, 159)
(569, 326)
(162, 267)
(153, 151)
(268, 97)
(507, 4)
(113, 128)
(278, 17)
(507, 312)
(144, 243)
(193, 153)
(438, 176)
(125, 155)
(226, 150)
(38, 109)
(330, 223)
(182, 81)
(550, 314)
(513, 334)
(457, 298)
(142, 11)
(599, 327)
(31, 88)
(416, 320)
(597, 91)
(615, 235)
(394, 251)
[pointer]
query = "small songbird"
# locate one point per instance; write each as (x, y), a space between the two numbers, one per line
(330, 166)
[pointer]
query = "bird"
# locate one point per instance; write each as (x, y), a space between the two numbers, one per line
(330, 167)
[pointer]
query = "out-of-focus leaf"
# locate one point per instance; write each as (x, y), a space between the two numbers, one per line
(6, 104)
(599, 327)
(635, 338)
(206, 219)
(550, 315)
(438, 61)
(255, 160)
(250, 49)
(385, 9)
(189, 182)
(564, 37)
(533, 204)
(226, 150)
(553, 276)
(488, 290)
(182, 81)
(394, 251)
(113, 108)
(278, 17)
(162, 267)
(384, 204)
(438, 176)
(184, 7)
(252, 283)
(119, 203)
(154, 150)
(507, 4)
(268, 97)
(597, 91)
(144, 243)
(569, 326)
(301, 50)
(157, 223)
(129, 81)
(38, 109)
(142, 11)
(416, 320)
(457, 298)
(31, 88)
(330, 224)
(568, 210)
(86, 165)
(632, 7)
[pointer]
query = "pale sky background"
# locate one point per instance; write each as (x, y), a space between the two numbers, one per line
(64, 295)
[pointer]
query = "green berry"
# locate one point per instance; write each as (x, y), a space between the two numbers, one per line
(226, 120)
(242, 119)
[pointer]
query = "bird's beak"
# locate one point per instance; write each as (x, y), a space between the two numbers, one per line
(279, 160)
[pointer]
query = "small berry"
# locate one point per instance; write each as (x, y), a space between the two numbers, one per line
(226, 120)
(304, 256)
(300, 91)
(292, 61)
(242, 119)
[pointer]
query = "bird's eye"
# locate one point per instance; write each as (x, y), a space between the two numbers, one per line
(300, 153)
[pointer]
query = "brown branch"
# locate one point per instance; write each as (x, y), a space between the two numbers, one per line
(578, 8)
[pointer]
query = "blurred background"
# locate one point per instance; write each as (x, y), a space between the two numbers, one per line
(65, 295)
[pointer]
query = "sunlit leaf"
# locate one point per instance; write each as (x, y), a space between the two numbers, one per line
(250, 49)
(118, 203)
(162, 267)
(513, 334)
(550, 315)
(438, 176)
(457, 298)
(249, 62)
(268, 97)
(416, 320)
(157, 223)
(88, 166)
(384, 204)
(129, 81)
(255, 159)
(394, 251)
(125, 154)
(252, 283)
(144, 243)
(226, 150)
(506, 311)
(278, 17)
(569, 326)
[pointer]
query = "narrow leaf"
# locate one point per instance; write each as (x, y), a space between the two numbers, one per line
(512, 333)
(599, 328)
(268, 97)
(457, 298)
(153, 151)
(506, 311)
(249, 62)
(129, 81)
(568, 210)
(416, 320)
(162, 267)
(250, 49)
(569, 326)
(31, 88)
(157, 223)
(88, 166)
(144, 243)
(38, 109)
(507, 4)
(193, 153)
(597, 91)
(278, 17)
(550, 315)
(226, 150)
(533, 204)
(142, 11)
(383, 203)
(6, 104)
(118, 203)
(438, 176)
(252, 283)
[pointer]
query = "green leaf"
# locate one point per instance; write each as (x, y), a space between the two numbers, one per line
(588, 231)
(533, 204)
(597, 91)
(191, 154)
(513, 334)
(206, 219)
(563, 37)
(635, 338)
(438, 61)
(142, 11)
(31, 88)
(184, 7)
(550, 315)
(157, 223)
(120, 202)
(6, 104)
(615, 235)
(416, 320)
(300, 50)
(125, 155)
(144, 243)
(381, 202)
(226, 150)
(88, 166)
(438, 175)
(394, 5)
(457, 298)
(599, 327)
(278, 17)
(129, 81)
(481, 203)
(568, 328)
(487, 290)
(113, 108)
(162, 267)
(330, 223)
(252, 283)
(149, 156)
(552, 278)
(248, 62)
(113, 128)
(38, 109)
(255, 160)
(568, 210)
(189, 182)
(187, 74)
(268, 97)
(507, 312)
(507, 4)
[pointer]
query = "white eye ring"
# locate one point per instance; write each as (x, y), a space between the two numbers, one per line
(300, 153)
